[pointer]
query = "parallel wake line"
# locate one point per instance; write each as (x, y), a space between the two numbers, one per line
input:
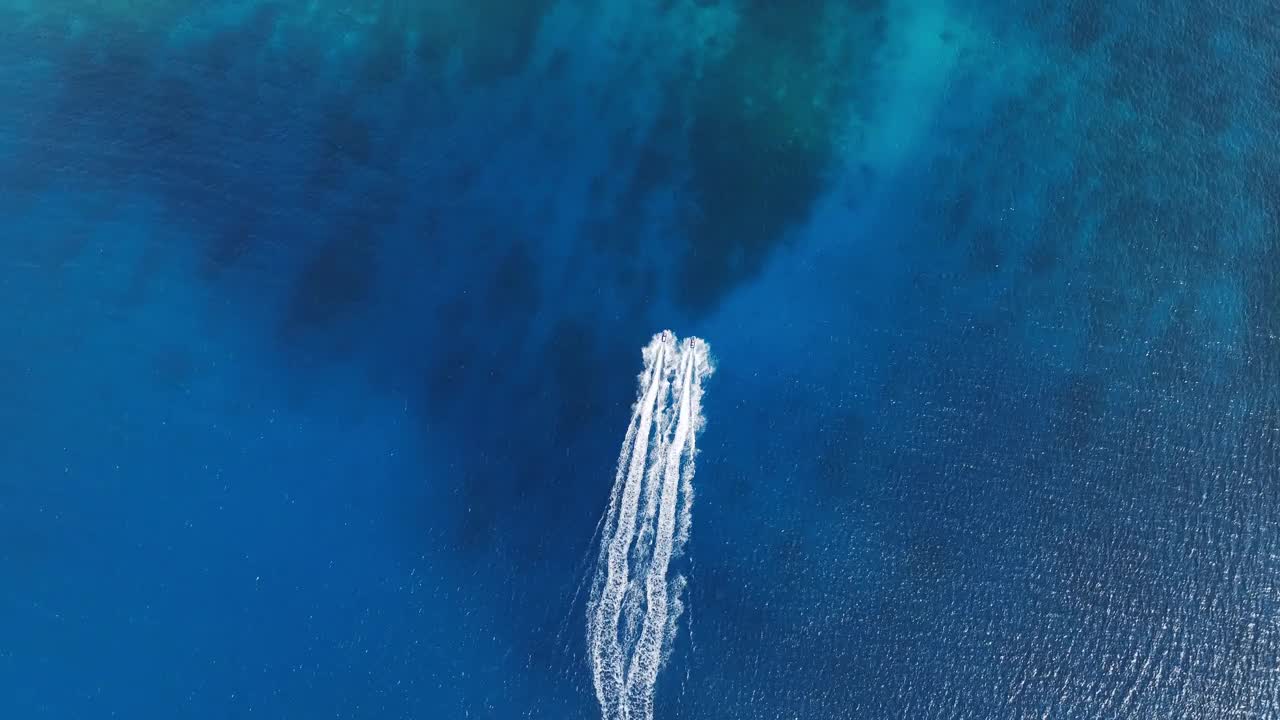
(634, 605)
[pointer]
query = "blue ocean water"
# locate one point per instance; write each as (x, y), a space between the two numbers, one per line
(321, 326)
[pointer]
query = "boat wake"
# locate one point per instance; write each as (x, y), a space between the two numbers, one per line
(634, 604)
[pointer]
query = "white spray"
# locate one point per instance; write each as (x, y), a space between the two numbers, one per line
(634, 605)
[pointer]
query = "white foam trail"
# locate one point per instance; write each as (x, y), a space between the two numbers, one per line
(606, 650)
(634, 605)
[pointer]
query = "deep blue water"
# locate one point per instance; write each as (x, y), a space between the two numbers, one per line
(321, 323)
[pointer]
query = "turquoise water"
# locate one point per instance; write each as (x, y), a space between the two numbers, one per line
(322, 325)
